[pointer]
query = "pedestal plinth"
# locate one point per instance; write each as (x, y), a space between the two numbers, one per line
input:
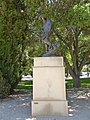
(49, 93)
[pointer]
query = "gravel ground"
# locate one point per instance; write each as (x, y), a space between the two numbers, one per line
(18, 107)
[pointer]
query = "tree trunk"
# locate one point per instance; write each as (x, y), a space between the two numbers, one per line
(75, 76)
(76, 81)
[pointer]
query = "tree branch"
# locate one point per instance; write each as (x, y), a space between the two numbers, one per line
(68, 66)
(84, 60)
(60, 37)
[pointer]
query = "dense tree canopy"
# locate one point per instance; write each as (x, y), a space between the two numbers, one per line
(71, 27)
(21, 39)
(13, 33)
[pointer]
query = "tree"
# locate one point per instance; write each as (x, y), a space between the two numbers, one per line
(71, 23)
(13, 40)
(20, 36)
(75, 19)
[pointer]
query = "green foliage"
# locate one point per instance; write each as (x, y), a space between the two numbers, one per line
(21, 40)
(13, 41)
(71, 27)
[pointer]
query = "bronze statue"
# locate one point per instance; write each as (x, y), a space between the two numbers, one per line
(46, 32)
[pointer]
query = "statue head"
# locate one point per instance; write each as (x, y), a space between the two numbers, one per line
(43, 19)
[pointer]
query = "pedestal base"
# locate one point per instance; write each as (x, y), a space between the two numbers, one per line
(49, 92)
(47, 108)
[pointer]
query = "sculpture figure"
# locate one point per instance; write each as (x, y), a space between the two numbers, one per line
(46, 32)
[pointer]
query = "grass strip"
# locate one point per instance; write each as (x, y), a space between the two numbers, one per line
(85, 82)
(26, 84)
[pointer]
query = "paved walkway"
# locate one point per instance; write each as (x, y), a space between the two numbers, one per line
(18, 107)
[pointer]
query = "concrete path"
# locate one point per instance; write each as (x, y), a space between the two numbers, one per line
(18, 107)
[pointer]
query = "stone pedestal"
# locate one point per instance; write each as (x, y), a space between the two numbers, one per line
(49, 93)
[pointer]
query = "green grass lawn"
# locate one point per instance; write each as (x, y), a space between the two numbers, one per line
(85, 82)
(25, 84)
